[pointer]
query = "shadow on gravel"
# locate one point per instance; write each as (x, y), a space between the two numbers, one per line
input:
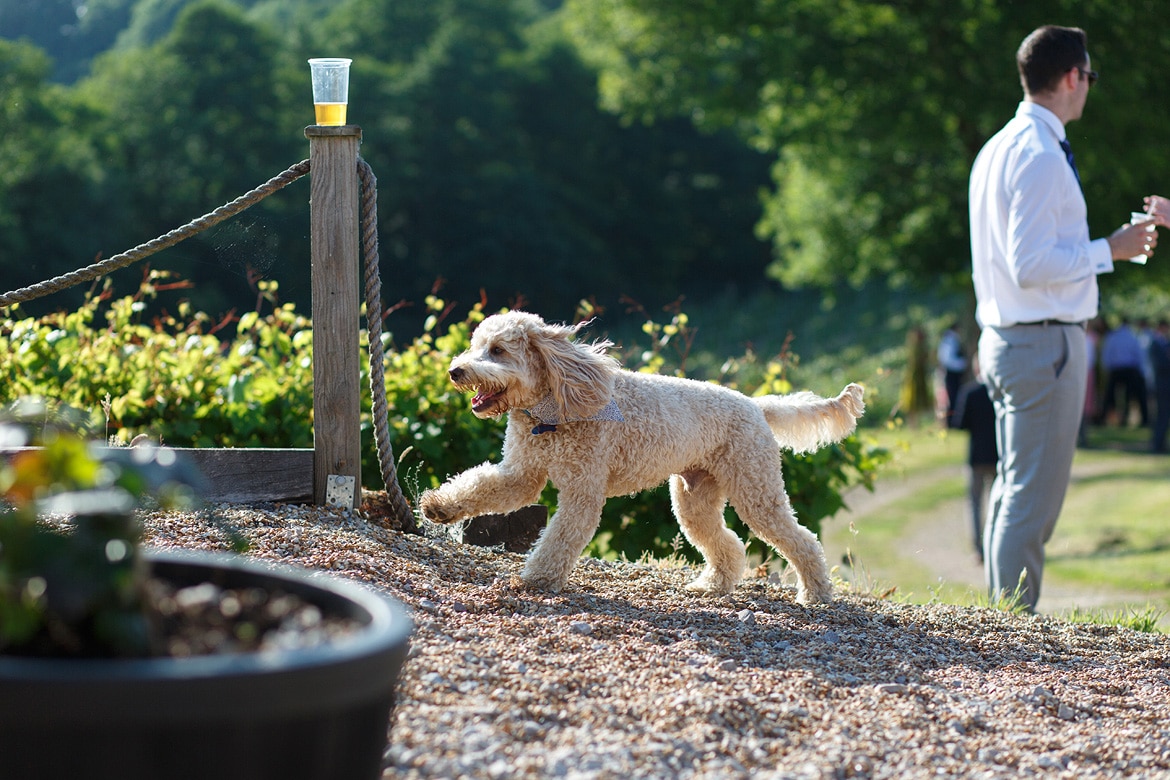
(855, 641)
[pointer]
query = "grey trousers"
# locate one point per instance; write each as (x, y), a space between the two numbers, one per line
(1036, 376)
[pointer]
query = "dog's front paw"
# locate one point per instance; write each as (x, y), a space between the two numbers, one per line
(537, 578)
(436, 509)
(540, 584)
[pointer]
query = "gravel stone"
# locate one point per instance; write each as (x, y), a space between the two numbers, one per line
(501, 683)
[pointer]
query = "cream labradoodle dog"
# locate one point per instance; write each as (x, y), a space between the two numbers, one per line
(596, 430)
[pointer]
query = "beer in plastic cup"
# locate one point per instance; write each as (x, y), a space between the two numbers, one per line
(330, 89)
(1137, 218)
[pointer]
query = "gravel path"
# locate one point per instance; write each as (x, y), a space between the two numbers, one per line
(627, 675)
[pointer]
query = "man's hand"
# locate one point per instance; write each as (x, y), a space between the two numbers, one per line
(1128, 241)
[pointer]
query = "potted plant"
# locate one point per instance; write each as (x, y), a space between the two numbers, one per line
(91, 684)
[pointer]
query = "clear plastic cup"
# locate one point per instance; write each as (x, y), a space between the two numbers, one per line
(1138, 218)
(330, 89)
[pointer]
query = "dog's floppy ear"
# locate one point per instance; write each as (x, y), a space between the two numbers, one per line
(580, 376)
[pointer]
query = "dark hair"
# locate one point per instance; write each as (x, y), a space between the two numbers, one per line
(1047, 54)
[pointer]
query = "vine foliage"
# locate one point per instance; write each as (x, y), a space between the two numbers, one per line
(186, 379)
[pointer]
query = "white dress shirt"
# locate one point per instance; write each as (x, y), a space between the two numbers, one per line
(1031, 256)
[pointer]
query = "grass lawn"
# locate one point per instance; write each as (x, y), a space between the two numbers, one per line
(1114, 533)
(1109, 557)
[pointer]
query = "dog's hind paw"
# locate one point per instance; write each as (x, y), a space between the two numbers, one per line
(819, 595)
(711, 584)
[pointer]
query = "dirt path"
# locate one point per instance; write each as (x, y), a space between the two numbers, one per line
(941, 544)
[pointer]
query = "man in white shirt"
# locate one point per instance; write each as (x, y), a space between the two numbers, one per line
(1035, 272)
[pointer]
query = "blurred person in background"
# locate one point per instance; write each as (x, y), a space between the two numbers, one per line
(1160, 361)
(952, 367)
(975, 414)
(1122, 356)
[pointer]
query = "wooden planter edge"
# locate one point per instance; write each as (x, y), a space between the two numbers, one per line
(248, 475)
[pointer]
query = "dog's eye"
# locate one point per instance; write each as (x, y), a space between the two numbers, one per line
(497, 350)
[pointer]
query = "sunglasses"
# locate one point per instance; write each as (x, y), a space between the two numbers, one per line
(1092, 75)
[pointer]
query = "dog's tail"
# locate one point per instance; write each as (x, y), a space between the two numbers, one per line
(804, 421)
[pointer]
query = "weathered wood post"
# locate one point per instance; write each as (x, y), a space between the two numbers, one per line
(334, 221)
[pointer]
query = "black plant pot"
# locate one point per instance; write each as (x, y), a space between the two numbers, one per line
(316, 712)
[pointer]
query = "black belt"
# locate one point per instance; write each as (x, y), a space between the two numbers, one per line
(1046, 323)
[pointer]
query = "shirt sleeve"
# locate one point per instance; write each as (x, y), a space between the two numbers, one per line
(1047, 243)
(1101, 256)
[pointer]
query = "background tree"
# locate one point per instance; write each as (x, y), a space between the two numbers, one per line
(502, 174)
(50, 172)
(193, 121)
(70, 31)
(497, 169)
(857, 120)
(875, 110)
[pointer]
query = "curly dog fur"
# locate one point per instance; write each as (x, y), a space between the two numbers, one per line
(714, 444)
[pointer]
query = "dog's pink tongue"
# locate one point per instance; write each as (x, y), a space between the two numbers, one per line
(482, 398)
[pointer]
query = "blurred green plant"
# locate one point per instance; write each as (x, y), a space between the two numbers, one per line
(185, 379)
(173, 377)
(78, 589)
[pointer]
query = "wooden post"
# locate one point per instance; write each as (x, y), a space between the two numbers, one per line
(333, 153)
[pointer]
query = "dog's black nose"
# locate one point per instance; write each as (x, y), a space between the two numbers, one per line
(455, 373)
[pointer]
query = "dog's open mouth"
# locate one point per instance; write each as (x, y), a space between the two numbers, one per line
(485, 400)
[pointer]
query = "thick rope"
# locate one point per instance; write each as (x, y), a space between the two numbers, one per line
(379, 407)
(142, 251)
(369, 218)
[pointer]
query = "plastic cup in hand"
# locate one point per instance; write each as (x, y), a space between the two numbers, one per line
(330, 89)
(1139, 218)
